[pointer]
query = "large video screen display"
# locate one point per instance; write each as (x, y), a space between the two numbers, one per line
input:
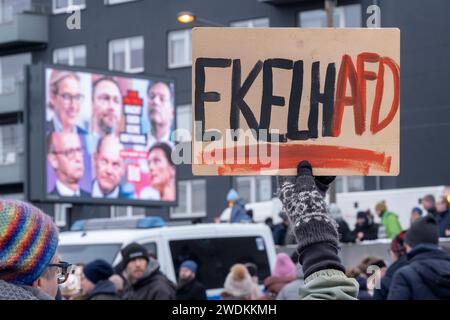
(108, 136)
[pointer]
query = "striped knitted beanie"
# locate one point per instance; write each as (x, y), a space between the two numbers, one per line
(28, 242)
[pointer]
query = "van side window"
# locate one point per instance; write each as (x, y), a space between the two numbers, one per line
(216, 256)
(151, 248)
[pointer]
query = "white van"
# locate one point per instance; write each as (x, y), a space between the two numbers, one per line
(215, 247)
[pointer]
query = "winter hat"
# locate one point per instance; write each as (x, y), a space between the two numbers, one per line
(238, 282)
(189, 264)
(424, 230)
(381, 206)
(417, 210)
(232, 195)
(284, 267)
(306, 208)
(98, 270)
(361, 215)
(398, 244)
(28, 242)
(133, 251)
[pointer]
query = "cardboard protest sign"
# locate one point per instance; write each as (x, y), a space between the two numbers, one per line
(265, 99)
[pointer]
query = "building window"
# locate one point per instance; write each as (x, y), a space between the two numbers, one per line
(61, 6)
(253, 23)
(12, 70)
(180, 48)
(11, 143)
(191, 199)
(71, 56)
(349, 184)
(110, 2)
(127, 54)
(343, 17)
(254, 189)
(126, 211)
(184, 122)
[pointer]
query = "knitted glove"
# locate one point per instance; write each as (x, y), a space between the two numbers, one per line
(303, 201)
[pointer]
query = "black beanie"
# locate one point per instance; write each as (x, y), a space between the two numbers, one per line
(424, 230)
(133, 251)
(98, 270)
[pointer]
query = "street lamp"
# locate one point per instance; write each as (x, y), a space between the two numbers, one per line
(189, 17)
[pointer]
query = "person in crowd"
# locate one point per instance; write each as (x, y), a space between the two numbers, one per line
(359, 276)
(365, 229)
(238, 284)
(389, 220)
(279, 230)
(95, 283)
(269, 222)
(345, 235)
(30, 267)
(427, 273)
(65, 156)
(106, 108)
(303, 198)
(160, 113)
(162, 174)
(283, 273)
(65, 100)
(189, 288)
(250, 214)
(443, 216)
(429, 204)
(416, 214)
(368, 267)
(145, 280)
(71, 289)
(397, 252)
(290, 291)
(238, 211)
(119, 282)
(253, 271)
(109, 169)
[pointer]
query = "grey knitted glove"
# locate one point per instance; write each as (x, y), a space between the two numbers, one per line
(306, 208)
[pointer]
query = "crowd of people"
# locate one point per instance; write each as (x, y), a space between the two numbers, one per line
(30, 266)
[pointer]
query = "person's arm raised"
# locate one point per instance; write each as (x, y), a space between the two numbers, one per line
(303, 199)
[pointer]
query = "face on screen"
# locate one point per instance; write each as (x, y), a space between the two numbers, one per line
(66, 157)
(161, 170)
(107, 106)
(109, 164)
(65, 100)
(160, 107)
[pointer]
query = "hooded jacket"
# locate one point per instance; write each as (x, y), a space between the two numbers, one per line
(239, 213)
(103, 290)
(426, 277)
(154, 285)
(391, 224)
(10, 291)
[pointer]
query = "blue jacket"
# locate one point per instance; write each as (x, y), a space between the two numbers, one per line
(239, 213)
(426, 277)
(444, 223)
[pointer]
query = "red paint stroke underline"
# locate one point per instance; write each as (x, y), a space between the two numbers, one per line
(320, 156)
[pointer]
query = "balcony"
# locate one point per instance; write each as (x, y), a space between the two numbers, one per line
(23, 32)
(12, 97)
(12, 168)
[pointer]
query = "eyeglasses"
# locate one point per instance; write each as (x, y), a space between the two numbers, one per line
(70, 153)
(64, 270)
(68, 98)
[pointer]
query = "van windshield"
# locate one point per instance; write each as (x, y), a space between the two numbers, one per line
(216, 256)
(77, 254)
